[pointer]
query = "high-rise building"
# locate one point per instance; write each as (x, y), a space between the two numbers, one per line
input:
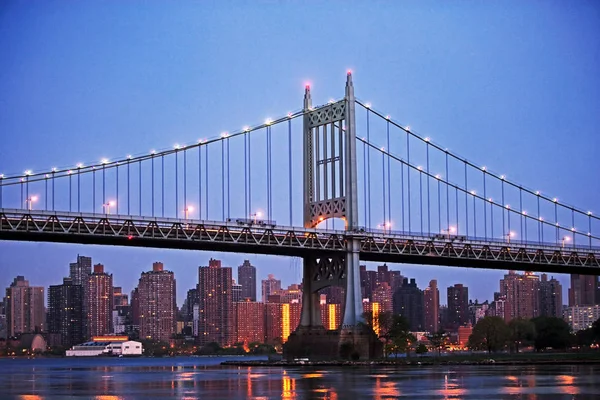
(135, 309)
(99, 302)
(431, 307)
(293, 294)
(521, 294)
(215, 323)
(334, 294)
(79, 270)
(158, 310)
(249, 321)
(458, 306)
(270, 286)
(583, 290)
(368, 282)
(247, 278)
(281, 319)
(188, 305)
(65, 312)
(331, 316)
(550, 297)
(477, 311)
(24, 308)
(383, 295)
(581, 317)
(236, 292)
(408, 302)
(119, 298)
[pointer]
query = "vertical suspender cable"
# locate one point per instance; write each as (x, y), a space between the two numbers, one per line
(152, 196)
(176, 184)
(428, 189)
(199, 181)
(383, 188)
(79, 189)
(140, 185)
(185, 204)
(439, 207)
(466, 200)
(246, 175)
(206, 178)
(53, 174)
(408, 177)
(484, 207)
(503, 208)
(128, 187)
(368, 170)
(421, 197)
(103, 185)
(364, 181)
(23, 203)
(523, 238)
(447, 193)
(556, 221)
(222, 180)
(402, 192)
(162, 184)
(540, 230)
(290, 166)
(70, 195)
(94, 190)
(249, 176)
(45, 194)
(474, 216)
(228, 183)
(389, 185)
(573, 225)
(117, 189)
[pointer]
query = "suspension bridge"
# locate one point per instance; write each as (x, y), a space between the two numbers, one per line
(334, 184)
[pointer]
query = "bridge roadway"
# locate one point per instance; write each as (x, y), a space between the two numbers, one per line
(126, 230)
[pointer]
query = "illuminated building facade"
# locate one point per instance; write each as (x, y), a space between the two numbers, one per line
(65, 312)
(249, 321)
(583, 290)
(157, 307)
(431, 307)
(24, 308)
(99, 302)
(247, 278)
(281, 319)
(581, 317)
(269, 287)
(521, 294)
(551, 304)
(215, 312)
(458, 306)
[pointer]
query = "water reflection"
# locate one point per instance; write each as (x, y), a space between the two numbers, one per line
(188, 379)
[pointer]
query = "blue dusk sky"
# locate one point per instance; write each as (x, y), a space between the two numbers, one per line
(511, 85)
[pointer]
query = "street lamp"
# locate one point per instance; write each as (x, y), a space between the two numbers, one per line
(564, 239)
(509, 235)
(255, 216)
(450, 230)
(187, 211)
(385, 226)
(108, 205)
(29, 201)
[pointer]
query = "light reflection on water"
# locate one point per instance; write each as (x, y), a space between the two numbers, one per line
(192, 378)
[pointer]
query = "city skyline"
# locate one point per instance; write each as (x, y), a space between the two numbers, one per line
(261, 278)
(524, 100)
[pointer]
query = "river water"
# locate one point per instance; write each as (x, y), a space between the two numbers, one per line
(204, 378)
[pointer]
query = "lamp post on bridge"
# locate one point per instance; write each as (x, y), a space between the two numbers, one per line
(448, 231)
(255, 216)
(386, 226)
(564, 239)
(509, 235)
(108, 205)
(187, 210)
(29, 201)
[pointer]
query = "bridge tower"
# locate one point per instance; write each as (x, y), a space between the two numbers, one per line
(330, 191)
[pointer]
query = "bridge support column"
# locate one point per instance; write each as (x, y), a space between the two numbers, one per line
(330, 191)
